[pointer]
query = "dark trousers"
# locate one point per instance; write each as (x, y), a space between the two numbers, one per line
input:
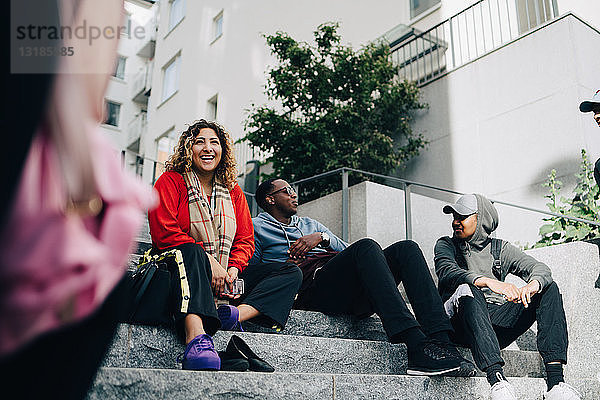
(364, 279)
(200, 301)
(487, 328)
(62, 364)
(271, 288)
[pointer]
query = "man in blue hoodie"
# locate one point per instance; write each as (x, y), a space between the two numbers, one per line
(358, 279)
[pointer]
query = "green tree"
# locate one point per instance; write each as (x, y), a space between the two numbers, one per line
(333, 107)
(584, 204)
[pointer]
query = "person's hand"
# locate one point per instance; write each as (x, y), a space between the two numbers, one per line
(296, 261)
(508, 290)
(529, 290)
(302, 246)
(232, 275)
(218, 275)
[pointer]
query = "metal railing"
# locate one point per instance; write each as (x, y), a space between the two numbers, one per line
(406, 185)
(477, 30)
(142, 82)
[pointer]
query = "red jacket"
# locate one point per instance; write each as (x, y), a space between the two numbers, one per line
(170, 221)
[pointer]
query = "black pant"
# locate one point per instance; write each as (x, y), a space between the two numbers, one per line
(364, 279)
(200, 301)
(61, 364)
(271, 288)
(487, 328)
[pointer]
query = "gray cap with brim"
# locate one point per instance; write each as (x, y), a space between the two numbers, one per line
(465, 205)
(593, 103)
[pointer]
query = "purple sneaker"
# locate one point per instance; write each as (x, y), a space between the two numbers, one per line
(200, 355)
(229, 318)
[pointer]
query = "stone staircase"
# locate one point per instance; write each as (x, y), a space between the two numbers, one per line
(316, 356)
(319, 357)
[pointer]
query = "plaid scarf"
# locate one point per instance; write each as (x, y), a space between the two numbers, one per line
(211, 223)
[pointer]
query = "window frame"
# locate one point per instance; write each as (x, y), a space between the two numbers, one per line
(118, 63)
(107, 113)
(424, 12)
(212, 107)
(217, 33)
(172, 22)
(174, 61)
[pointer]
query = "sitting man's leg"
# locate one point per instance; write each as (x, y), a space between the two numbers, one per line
(407, 264)
(359, 279)
(552, 341)
(474, 328)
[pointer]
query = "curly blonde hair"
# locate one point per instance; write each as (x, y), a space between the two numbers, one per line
(181, 160)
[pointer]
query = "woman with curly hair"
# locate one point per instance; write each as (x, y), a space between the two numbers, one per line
(204, 214)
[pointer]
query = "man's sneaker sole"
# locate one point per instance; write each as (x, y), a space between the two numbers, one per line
(417, 372)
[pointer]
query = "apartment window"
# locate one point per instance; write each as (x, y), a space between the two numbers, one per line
(170, 78)
(120, 68)
(218, 26)
(112, 111)
(212, 108)
(418, 7)
(176, 12)
(165, 146)
(128, 25)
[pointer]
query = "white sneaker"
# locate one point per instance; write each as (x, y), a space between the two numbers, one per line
(503, 391)
(562, 391)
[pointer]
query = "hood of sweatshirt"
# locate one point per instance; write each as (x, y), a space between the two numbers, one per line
(487, 222)
(477, 250)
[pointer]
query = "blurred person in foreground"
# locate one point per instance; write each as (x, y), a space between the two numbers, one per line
(71, 217)
(488, 313)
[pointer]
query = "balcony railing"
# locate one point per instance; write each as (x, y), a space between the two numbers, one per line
(148, 42)
(142, 84)
(135, 130)
(478, 30)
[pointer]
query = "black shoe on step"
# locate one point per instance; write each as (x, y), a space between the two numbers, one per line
(233, 362)
(467, 369)
(429, 359)
(237, 348)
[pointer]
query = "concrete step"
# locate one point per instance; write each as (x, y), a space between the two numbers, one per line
(133, 383)
(150, 347)
(309, 323)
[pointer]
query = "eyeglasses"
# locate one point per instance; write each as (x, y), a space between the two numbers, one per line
(290, 191)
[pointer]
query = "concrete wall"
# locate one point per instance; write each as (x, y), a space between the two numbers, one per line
(500, 124)
(377, 211)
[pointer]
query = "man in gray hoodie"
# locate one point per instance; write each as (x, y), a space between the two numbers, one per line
(358, 279)
(488, 313)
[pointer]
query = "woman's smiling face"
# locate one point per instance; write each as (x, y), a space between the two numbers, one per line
(206, 151)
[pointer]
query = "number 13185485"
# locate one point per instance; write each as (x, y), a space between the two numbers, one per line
(46, 51)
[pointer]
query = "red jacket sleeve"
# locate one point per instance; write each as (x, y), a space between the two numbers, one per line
(243, 242)
(170, 221)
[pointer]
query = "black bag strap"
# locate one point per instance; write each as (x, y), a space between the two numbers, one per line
(496, 249)
(147, 279)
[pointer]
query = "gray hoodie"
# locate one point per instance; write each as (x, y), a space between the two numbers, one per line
(479, 259)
